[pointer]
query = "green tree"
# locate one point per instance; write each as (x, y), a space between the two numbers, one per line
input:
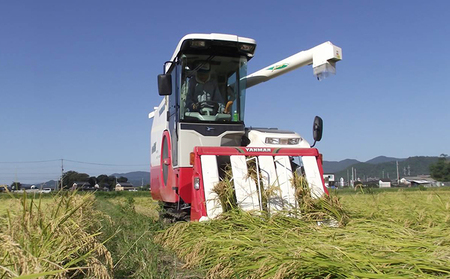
(112, 182)
(92, 181)
(122, 179)
(16, 185)
(71, 177)
(103, 180)
(441, 169)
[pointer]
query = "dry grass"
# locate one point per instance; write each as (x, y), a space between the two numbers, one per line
(4, 205)
(57, 240)
(326, 209)
(141, 205)
(388, 235)
(225, 191)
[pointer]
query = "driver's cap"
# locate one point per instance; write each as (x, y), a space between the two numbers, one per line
(204, 68)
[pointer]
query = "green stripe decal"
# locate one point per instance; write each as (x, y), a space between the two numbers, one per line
(278, 67)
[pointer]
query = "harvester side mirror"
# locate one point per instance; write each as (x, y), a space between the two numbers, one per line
(165, 84)
(317, 129)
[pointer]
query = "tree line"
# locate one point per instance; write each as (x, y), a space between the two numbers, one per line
(70, 177)
(441, 169)
(103, 180)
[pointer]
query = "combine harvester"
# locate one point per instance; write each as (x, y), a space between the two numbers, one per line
(198, 130)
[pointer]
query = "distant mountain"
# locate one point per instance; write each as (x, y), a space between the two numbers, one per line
(333, 166)
(383, 159)
(137, 178)
(412, 166)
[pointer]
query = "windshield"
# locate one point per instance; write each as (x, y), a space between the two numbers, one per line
(209, 91)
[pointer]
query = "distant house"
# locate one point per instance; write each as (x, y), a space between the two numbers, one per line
(424, 180)
(81, 185)
(384, 183)
(125, 186)
(329, 179)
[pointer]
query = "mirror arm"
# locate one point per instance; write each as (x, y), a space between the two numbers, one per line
(165, 66)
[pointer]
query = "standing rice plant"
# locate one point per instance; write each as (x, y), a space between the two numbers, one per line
(58, 239)
(225, 191)
(327, 208)
(225, 187)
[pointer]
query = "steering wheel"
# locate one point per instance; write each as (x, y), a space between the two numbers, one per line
(208, 107)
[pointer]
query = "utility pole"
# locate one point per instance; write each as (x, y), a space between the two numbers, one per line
(62, 175)
(348, 179)
(353, 178)
(398, 177)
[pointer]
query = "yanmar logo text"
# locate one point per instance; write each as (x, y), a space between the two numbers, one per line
(258, 149)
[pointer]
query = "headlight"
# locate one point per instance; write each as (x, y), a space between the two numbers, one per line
(294, 141)
(283, 141)
(196, 183)
(273, 140)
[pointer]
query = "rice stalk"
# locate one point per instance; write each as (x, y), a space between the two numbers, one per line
(323, 209)
(244, 245)
(225, 191)
(58, 240)
(254, 173)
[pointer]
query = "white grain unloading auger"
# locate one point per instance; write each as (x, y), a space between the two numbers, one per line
(194, 139)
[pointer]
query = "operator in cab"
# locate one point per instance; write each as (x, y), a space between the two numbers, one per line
(204, 91)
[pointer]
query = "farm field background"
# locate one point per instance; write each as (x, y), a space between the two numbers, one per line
(396, 233)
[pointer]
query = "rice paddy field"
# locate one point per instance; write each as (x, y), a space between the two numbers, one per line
(400, 233)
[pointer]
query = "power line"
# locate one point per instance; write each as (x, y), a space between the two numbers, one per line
(103, 164)
(74, 161)
(31, 171)
(30, 162)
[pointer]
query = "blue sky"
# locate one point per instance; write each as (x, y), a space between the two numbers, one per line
(78, 78)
